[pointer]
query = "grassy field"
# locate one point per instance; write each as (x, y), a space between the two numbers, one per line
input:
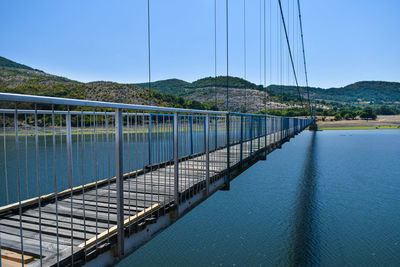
(382, 122)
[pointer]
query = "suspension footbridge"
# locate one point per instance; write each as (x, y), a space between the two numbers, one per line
(89, 182)
(108, 179)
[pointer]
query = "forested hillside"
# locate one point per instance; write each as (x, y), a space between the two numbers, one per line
(21, 79)
(378, 92)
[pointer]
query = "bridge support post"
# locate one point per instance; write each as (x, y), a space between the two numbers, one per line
(119, 140)
(207, 150)
(176, 161)
(313, 126)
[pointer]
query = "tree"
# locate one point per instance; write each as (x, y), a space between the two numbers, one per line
(338, 117)
(347, 116)
(385, 110)
(368, 113)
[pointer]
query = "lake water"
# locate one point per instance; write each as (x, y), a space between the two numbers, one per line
(93, 158)
(331, 198)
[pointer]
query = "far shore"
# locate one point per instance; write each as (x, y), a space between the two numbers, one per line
(382, 122)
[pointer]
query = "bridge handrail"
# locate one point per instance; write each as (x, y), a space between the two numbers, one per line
(102, 104)
(96, 104)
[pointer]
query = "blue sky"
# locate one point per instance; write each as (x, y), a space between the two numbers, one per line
(346, 41)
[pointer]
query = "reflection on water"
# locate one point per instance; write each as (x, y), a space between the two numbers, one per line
(329, 198)
(305, 234)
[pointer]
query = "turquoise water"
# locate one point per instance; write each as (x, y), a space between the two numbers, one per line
(330, 199)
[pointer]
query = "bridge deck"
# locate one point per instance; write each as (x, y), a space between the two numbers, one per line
(94, 212)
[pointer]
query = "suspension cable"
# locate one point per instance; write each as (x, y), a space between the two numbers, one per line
(265, 60)
(244, 54)
(270, 50)
(227, 54)
(280, 56)
(215, 53)
(260, 44)
(304, 56)
(290, 52)
(148, 47)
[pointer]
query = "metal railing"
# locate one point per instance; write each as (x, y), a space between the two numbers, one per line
(77, 173)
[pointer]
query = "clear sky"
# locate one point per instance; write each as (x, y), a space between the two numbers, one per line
(346, 41)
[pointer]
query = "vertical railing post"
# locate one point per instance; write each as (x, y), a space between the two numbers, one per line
(292, 126)
(150, 137)
(216, 131)
(275, 130)
(286, 127)
(207, 150)
(228, 164)
(18, 180)
(259, 133)
(176, 161)
(283, 128)
(251, 135)
(265, 136)
(191, 134)
(119, 141)
(291, 132)
(70, 182)
(241, 140)
(69, 149)
(205, 126)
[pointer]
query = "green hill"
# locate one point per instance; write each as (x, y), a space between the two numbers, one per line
(170, 86)
(365, 91)
(183, 88)
(4, 62)
(377, 92)
(21, 79)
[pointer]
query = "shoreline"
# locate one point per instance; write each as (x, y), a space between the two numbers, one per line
(382, 122)
(393, 127)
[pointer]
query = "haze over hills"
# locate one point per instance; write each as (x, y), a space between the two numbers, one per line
(200, 94)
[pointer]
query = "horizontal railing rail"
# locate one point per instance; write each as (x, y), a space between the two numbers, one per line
(95, 104)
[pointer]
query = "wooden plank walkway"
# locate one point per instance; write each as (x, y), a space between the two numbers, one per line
(94, 212)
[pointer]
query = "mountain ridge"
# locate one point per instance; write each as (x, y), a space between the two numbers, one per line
(21, 79)
(204, 93)
(361, 91)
